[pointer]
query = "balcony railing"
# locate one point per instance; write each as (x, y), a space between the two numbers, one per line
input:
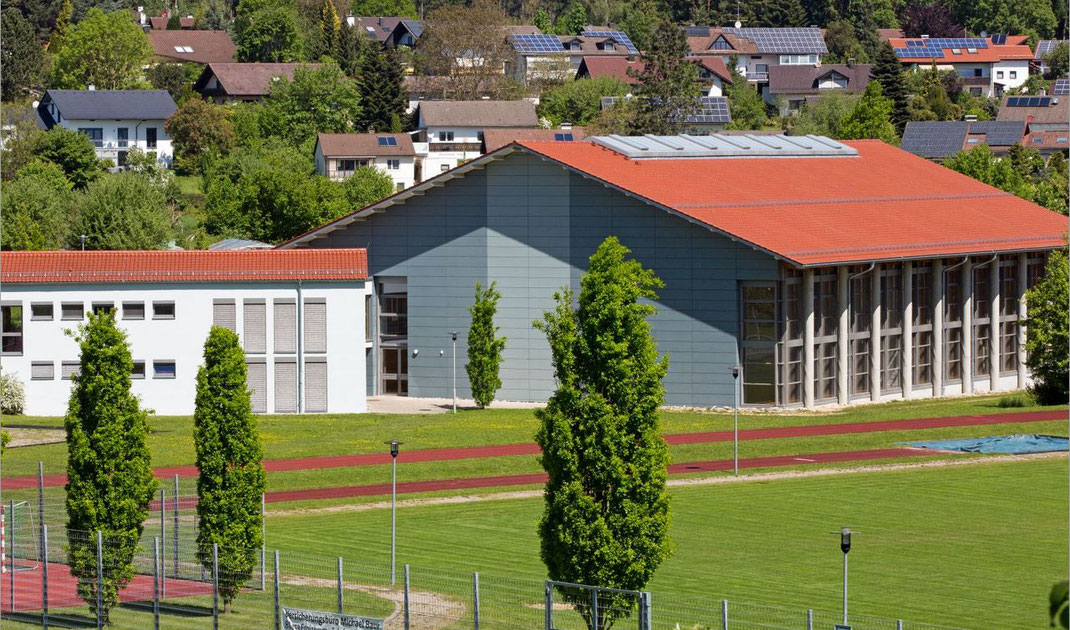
(759, 77)
(468, 147)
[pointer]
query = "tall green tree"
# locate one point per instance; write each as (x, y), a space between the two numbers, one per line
(888, 72)
(776, 13)
(198, 128)
(573, 20)
(351, 43)
(1027, 17)
(578, 102)
(484, 346)
(269, 35)
(870, 118)
(123, 211)
(1046, 331)
(399, 8)
(21, 56)
(37, 208)
(328, 35)
(666, 91)
(109, 471)
(745, 104)
(981, 164)
(606, 514)
(639, 23)
(1058, 61)
(382, 97)
(107, 50)
(318, 100)
(843, 43)
(231, 477)
(365, 186)
(173, 77)
(73, 152)
(542, 20)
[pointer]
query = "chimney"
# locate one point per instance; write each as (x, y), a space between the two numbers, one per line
(566, 125)
(850, 62)
(970, 118)
(91, 87)
(925, 37)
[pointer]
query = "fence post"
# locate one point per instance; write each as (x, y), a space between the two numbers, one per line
(899, 625)
(156, 576)
(724, 614)
(40, 499)
(475, 600)
(810, 619)
(406, 597)
(11, 555)
(174, 534)
(263, 542)
(278, 611)
(100, 581)
(163, 527)
(645, 613)
(215, 586)
(594, 609)
(44, 577)
(339, 585)
(549, 606)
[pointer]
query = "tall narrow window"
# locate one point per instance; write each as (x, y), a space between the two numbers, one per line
(922, 343)
(257, 381)
(953, 297)
(982, 312)
(1008, 313)
(315, 325)
(316, 385)
(11, 329)
(285, 328)
(758, 345)
(891, 328)
(859, 335)
(792, 342)
(826, 321)
(285, 386)
(224, 314)
(150, 138)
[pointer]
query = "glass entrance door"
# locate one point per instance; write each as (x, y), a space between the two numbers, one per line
(395, 370)
(393, 336)
(758, 345)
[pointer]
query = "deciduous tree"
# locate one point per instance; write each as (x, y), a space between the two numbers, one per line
(173, 77)
(37, 208)
(73, 152)
(870, 118)
(934, 19)
(1046, 331)
(123, 211)
(606, 514)
(109, 472)
(745, 104)
(231, 478)
(573, 20)
(981, 164)
(319, 100)
(484, 346)
(666, 90)
(580, 101)
(196, 128)
(466, 47)
(269, 35)
(365, 186)
(107, 50)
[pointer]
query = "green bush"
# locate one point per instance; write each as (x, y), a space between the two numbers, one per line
(12, 395)
(484, 347)
(1017, 399)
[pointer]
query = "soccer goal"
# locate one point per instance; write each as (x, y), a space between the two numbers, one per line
(20, 543)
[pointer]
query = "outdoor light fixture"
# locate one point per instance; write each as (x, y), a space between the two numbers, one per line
(845, 547)
(395, 448)
(453, 336)
(736, 369)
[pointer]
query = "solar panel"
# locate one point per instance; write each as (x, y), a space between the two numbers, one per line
(697, 31)
(999, 133)
(934, 139)
(711, 109)
(919, 52)
(539, 43)
(563, 137)
(999, 39)
(618, 36)
(388, 142)
(783, 40)
(1045, 47)
(1061, 88)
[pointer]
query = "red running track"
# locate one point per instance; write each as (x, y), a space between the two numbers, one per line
(503, 450)
(409, 487)
(63, 589)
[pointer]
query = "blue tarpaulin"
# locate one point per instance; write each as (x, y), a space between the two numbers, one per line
(1018, 443)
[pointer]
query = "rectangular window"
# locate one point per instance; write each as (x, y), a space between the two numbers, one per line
(859, 334)
(1013, 74)
(826, 330)
(444, 167)
(150, 137)
(347, 166)
(103, 307)
(254, 326)
(285, 327)
(224, 314)
(922, 317)
(285, 386)
(138, 373)
(315, 385)
(72, 310)
(368, 318)
(891, 328)
(95, 134)
(982, 313)
(41, 311)
(758, 345)
(1008, 314)
(163, 310)
(163, 369)
(42, 371)
(315, 324)
(999, 74)
(256, 380)
(123, 136)
(445, 136)
(393, 165)
(70, 369)
(953, 324)
(133, 310)
(11, 329)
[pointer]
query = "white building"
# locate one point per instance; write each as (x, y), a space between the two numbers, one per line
(338, 155)
(300, 315)
(756, 50)
(115, 120)
(451, 132)
(540, 56)
(987, 66)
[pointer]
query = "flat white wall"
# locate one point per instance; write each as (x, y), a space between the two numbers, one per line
(1020, 68)
(182, 339)
(135, 134)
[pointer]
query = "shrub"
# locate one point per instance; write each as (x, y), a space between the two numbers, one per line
(12, 395)
(1017, 399)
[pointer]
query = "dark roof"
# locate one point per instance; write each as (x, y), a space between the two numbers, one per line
(1048, 110)
(941, 139)
(160, 22)
(805, 79)
(108, 104)
(246, 79)
(617, 67)
(378, 27)
(364, 144)
(708, 109)
(477, 114)
(494, 139)
(196, 46)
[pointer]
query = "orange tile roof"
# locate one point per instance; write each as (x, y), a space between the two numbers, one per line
(183, 266)
(884, 204)
(991, 54)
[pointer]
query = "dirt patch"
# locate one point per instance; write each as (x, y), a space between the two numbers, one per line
(33, 437)
(427, 610)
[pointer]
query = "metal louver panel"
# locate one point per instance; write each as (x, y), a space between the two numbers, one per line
(285, 387)
(285, 327)
(255, 327)
(257, 382)
(315, 321)
(315, 386)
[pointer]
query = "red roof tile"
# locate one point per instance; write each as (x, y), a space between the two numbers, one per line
(884, 204)
(183, 266)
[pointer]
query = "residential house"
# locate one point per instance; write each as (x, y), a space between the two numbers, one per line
(712, 73)
(903, 280)
(986, 65)
(230, 82)
(338, 155)
(1044, 49)
(115, 120)
(192, 46)
(494, 139)
(389, 31)
(758, 49)
(795, 86)
(450, 132)
(936, 140)
(558, 57)
(300, 316)
(1040, 113)
(710, 114)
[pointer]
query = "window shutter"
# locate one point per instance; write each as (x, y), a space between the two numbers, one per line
(255, 327)
(42, 371)
(315, 326)
(224, 314)
(285, 387)
(69, 369)
(285, 327)
(315, 386)
(257, 381)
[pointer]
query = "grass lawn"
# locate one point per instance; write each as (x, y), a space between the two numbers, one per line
(189, 184)
(972, 546)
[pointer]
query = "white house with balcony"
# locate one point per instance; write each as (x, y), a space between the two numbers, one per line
(115, 120)
(756, 50)
(339, 155)
(300, 316)
(451, 132)
(987, 66)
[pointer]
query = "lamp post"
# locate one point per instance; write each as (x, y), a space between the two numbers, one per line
(845, 546)
(453, 335)
(395, 448)
(735, 418)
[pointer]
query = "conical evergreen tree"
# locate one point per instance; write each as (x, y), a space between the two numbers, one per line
(889, 73)
(329, 32)
(350, 46)
(381, 93)
(63, 24)
(484, 346)
(666, 90)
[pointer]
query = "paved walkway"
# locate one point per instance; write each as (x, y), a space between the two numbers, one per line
(505, 450)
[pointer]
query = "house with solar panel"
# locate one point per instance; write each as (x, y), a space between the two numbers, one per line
(710, 113)
(451, 132)
(1043, 50)
(940, 139)
(538, 56)
(758, 49)
(987, 66)
(903, 280)
(339, 155)
(1047, 119)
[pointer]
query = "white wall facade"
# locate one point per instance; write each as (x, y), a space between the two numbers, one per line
(110, 144)
(400, 168)
(181, 339)
(444, 154)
